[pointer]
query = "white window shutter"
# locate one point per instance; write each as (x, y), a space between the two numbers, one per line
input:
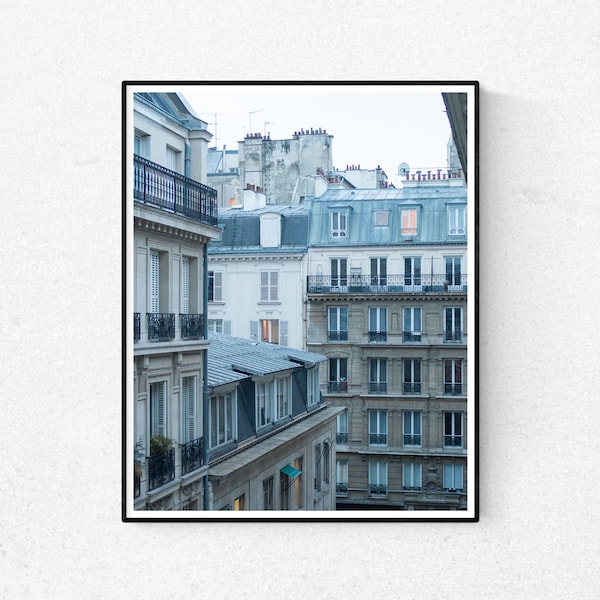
(159, 409)
(264, 286)
(185, 285)
(274, 286)
(189, 407)
(154, 282)
(254, 331)
(283, 332)
(227, 327)
(218, 287)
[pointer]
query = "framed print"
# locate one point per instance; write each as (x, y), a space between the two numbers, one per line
(300, 301)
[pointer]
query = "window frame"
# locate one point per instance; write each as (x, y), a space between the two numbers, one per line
(378, 436)
(410, 425)
(337, 314)
(378, 478)
(340, 383)
(269, 289)
(340, 229)
(453, 473)
(411, 384)
(378, 323)
(452, 386)
(225, 414)
(215, 286)
(454, 419)
(411, 317)
(378, 375)
(412, 472)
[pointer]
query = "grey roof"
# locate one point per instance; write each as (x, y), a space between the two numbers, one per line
(431, 200)
(174, 106)
(232, 359)
(241, 230)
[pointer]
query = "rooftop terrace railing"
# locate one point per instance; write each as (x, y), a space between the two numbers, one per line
(352, 284)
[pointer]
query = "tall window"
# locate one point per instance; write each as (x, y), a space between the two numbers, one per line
(154, 281)
(411, 324)
(299, 484)
(377, 324)
(456, 220)
(377, 427)
(412, 375)
(453, 430)
(341, 485)
(282, 388)
(158, 408)
(411, 428)
(185, 285)
(378, 271)
(269, 286)
(312, 386)
(189, 388)
(171, 158)
(215, 325)
(338, 323)
(222, 419)
(339, 272)
(412, 272)
(378, 477)
(453, 271)
(453, 384)
(269, 331)
(338, 375)
(264, 403)
(408, 218)
(378, 375)
(240, 503)
(412, 476)
(215, 286)
(338, 224)
(453, 477)
(317, 468)
(342, 428)
(453, 324)
(268, 494)
(326, 461)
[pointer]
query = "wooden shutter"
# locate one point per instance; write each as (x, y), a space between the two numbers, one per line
(158, 408)
(227, 327)
(274, 295)
(218, 287)
(185, 285)
(254, 331)
(264, 286)
(283, 332)
(189, 407)
(154, 282)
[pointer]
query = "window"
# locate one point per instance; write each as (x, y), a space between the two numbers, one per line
(264, 403)
(339, 272)
(453, 324)
(453, 430)
(453, 477)
(299, 484)
(158, 408)
(268, 494)
(171, 158)
(312, 386)
(377, 428)
(317, 468)
(411, 324)
(377, 324)
(215, 286)
(269, 286)
(240, 503)
(269, 331)
(338, 375)
(381, 218)
(222, 419)
(270, 230)
(282, 387)
(338, 224)
(408, 218)
(341, 485)
(215, 325)
(453, 274)
(453, 377)
(342, 428)
(412, 375)
(378, 271)
(412, 273)
(377, 375)
(185, 285)
(378, 478)
(411, 428)
(159, 297)
(456, 220)
(141, 144)
(338, 323)
(189, 388)
(412, 476)
(326, 461)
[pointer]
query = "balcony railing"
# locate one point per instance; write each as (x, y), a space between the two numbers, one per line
(377, 489)
(192, 456)
(411, 388)
(411, 336)
(192, 327)
(399, 284)
(338, 336)
(377, 336)
(161, 469)
(454, 441)
(453, 389)
(341, 438)
(377, 387)
(157, 186)
(337, 386)
(137, 327)
(453, 336)
(378, 439)
(341, 489)
(137, 485)
(161, 327)
(411, 439)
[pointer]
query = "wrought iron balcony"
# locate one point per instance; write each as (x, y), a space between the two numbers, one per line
(137, 327)
(338, 336)
(157, 186)
(161, 327)
(192, 455)
(391, 284)
(337, 386)
(454, 441)
(411, 440)
(411, 387)
(161, 469)
(453, 389)
(411, 336)
(192, 327)
(453, 336)
(137, 485)
(377, 387)
(377, 489)
(341, 489)
(377, 439)
(377, 336)
(341, 438)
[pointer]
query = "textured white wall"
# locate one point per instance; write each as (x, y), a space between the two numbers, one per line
(62, 66)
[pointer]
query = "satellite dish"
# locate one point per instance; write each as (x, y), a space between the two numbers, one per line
(403, 169)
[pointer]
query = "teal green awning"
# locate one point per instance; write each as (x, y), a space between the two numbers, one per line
(290, 471)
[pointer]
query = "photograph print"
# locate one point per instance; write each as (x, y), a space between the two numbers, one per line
(300, 301)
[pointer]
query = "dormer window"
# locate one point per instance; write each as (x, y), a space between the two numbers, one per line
(408, 220)
(339, 224)
(270, 230)
(456, 220)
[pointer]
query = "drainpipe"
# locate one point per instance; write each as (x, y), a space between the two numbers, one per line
(187, 158)
(205, 399)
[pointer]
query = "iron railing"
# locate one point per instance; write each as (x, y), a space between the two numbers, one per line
(341, 438)
(378, 439)
(161, 469)
(453, 389)
(161, 327)
(338, 336)
(377, 387)
(377, 336)
(455, 441)
(137, 327)
(411, 388)
(192, 327)
(157, 186)
(411, 439)
(411, 336)
(351, 284)
(377, 489)
(192, 455)
(341, 489)
(337, 386)
(453, 336)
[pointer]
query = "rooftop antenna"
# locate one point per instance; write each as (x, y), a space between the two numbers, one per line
(268, 123)
(250, 113)
(215, 124)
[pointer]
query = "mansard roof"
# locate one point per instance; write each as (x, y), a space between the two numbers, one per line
(174, 106)
(232, 359)
(431, 202)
